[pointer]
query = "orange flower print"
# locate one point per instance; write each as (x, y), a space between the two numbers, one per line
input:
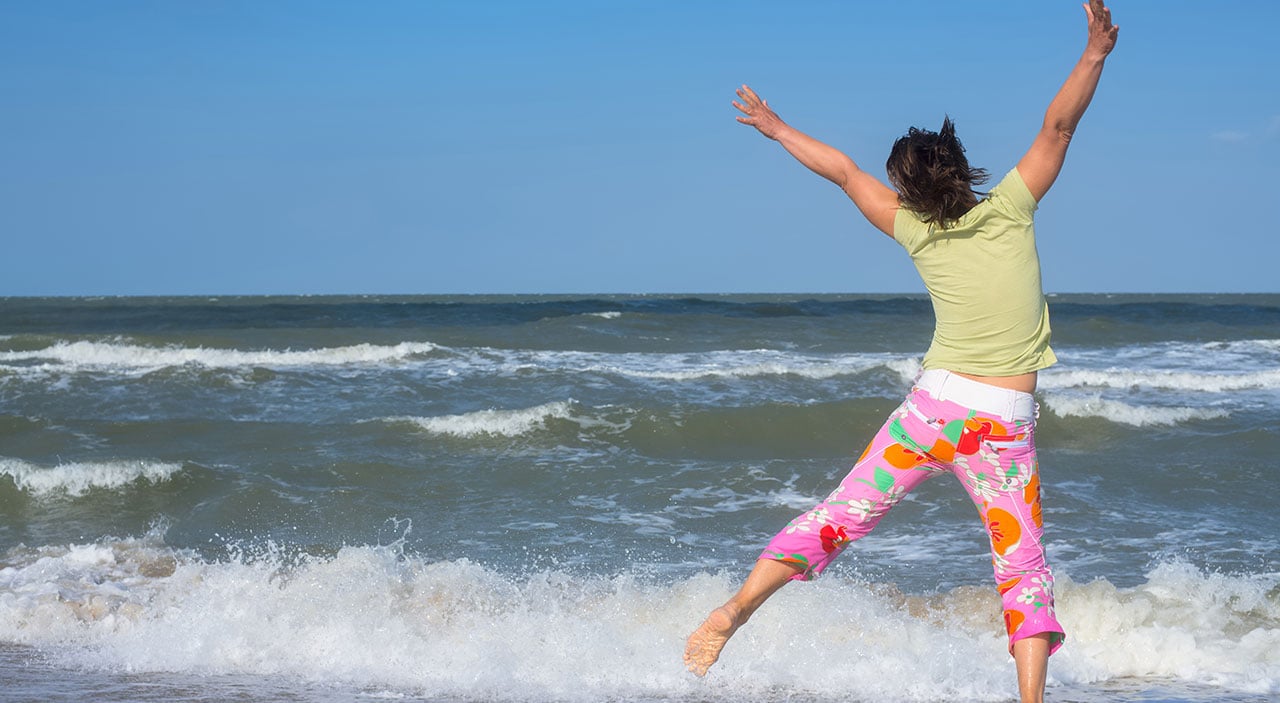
(865, 452)
(1008, 585)
(833, 538)
(1031, 496)
(943, 451)
(1013, 620)
(1005, 531)
(901, 457)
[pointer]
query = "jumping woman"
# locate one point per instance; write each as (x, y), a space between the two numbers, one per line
(971, 411)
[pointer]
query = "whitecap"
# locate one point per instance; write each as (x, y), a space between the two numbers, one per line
(78, 478)
(1170, 380)
(1095, 405)
(752, 364)
(113, 356)
(502, 423)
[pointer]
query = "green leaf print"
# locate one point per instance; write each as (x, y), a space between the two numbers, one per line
(899, 435)
(800, 559)
(952, 430)
(883, 480)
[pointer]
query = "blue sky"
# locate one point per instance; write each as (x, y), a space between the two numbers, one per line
(590, 147)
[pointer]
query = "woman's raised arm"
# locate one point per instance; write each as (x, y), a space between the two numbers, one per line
(1040, 166)
(877, 202)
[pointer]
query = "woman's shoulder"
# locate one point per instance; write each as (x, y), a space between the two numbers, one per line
(1012, 197)
(910, 229)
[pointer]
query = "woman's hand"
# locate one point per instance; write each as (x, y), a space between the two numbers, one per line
(758, 114)
(1102, 34)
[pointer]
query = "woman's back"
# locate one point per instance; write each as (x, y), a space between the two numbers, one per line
(983, 276)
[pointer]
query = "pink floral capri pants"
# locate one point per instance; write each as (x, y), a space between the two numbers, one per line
(982, 434)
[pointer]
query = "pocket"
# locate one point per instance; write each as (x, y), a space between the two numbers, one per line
(1008, 441)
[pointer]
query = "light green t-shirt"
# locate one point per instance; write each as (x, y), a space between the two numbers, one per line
(983, 275)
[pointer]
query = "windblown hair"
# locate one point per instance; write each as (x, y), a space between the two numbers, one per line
(932, 174)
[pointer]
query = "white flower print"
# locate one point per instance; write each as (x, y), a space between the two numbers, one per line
(865, 509)
(1028, 595)
(1011, 483)
(1019, 476)
(980, 483)
(1000, 561)
(894, 495)
(988, 455)
(801, 526)
(822, 516)
(1045, 582)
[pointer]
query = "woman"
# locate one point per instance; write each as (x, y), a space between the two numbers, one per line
(971, 410)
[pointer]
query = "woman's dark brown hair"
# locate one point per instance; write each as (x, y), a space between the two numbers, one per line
(932, 174)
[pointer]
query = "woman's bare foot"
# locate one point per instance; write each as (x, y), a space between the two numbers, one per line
(704, 645)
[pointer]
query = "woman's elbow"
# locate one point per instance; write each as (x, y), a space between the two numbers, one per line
(1059, 132)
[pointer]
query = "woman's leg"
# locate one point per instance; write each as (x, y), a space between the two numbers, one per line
(892, 465)
(997, 467)
(1031, 655)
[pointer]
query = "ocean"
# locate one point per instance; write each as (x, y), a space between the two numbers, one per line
(536, 498)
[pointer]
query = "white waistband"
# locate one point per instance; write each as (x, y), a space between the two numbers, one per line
(1006, 403)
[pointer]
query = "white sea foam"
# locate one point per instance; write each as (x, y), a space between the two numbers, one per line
(78, 478)
(454, 630)
(907, 368)
(747, 364)
(609, 315)
(1209, 628)
(502, 423)
(1094, 405)
(1151, 378)
(133, 357)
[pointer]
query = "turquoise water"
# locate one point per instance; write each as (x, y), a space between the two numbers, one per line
(535, 498)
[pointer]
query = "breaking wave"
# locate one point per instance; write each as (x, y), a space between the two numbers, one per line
(502, 423)
(112, 356)
(457, 630)
(1124, 413)
(76, 479)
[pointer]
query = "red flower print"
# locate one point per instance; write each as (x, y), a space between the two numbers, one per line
(833, 538)
(974, 432)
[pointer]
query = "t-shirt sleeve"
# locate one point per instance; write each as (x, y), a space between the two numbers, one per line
(908, 230)
(1013, 197)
